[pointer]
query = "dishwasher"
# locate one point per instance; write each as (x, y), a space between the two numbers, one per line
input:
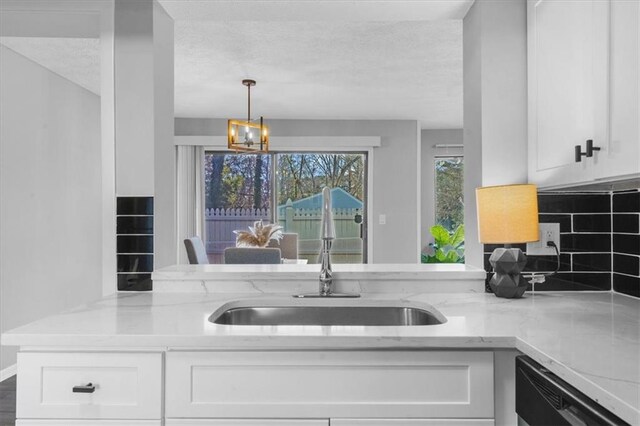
(543, 399)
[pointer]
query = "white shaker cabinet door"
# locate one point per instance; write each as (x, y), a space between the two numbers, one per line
(247, 422)
(568, 90)
(412, 422)
(67, 422)
(621, 157)
(326, 384)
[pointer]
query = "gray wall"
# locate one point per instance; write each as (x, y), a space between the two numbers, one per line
(395, 167)
(50, 187)
(430, 138)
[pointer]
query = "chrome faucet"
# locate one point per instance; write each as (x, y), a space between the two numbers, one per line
(327, 235)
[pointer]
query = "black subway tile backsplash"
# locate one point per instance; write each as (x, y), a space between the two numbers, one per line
(134, 206)
(135, 244)
(626, 223)
(626, 202)
(135, 263)
(592, 223)
(548, 263)
(134, 241)
(134, 282)
(599, 243)
(134, 225)
(563, 219)
(592, 262)
(626, 284)
(626, 264)
(572, 281)
(626, 243)
(574, 203)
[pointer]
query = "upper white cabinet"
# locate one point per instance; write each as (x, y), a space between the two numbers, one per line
(583, 85)
(622, 154)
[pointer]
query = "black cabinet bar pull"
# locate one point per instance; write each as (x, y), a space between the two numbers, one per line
(88, 388)
(591, 148)
(588, 153)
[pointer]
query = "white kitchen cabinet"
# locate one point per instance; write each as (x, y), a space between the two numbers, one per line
(412, 422)
(247, 422)
(125, 386)
(66, 422)
(323, 384)
(568, 87)
(621, 156)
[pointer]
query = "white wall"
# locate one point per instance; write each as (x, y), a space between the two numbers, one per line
(134, 98)
(145, 156)
(495, 104)
(395, 166)
(50, 192)
(430, 138)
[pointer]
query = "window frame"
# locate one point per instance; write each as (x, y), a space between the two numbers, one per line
(431, 150)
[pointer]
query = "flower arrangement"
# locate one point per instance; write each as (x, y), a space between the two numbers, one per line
(258, 235)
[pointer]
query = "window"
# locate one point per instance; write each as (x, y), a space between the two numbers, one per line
(286, 188)
(449, 181)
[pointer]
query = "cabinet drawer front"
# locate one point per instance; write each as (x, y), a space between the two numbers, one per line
(412, 422)
(125, 385)
(248, 422)
(330, 384)
(66, 422)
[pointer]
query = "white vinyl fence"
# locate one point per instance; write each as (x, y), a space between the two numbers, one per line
(347, 248)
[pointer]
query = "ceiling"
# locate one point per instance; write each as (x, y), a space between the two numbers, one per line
(330, 59)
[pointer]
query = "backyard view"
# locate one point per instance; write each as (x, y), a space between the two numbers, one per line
(243, 188)
(449, 188)
(448, 232)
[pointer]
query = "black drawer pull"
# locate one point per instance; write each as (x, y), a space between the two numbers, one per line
(88, 388)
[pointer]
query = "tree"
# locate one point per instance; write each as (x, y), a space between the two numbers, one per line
(303, 175)
(449, 192)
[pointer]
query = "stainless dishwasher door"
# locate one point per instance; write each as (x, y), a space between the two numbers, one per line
(543, 399)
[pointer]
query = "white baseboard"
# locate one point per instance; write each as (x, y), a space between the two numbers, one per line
(8, 372)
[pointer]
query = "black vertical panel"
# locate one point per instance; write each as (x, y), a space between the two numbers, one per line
(134, 243)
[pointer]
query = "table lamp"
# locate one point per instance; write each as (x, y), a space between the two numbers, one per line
(508, 214)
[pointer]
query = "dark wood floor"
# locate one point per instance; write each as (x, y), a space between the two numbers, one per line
(8, 402)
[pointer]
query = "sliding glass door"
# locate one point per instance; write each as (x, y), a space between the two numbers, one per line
(300, 179)
(238, 192)
(286, 188)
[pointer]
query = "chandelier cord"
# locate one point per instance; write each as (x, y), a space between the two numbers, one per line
(249, 103)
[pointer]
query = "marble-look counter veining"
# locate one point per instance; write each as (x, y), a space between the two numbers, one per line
(592, 340)
(285, 278)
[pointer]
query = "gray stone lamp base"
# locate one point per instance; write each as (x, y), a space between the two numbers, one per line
(507, 264)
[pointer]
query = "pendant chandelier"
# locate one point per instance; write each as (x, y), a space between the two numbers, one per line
(248, 136)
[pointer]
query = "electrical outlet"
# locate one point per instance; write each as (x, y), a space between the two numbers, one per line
(382, 220)
(548, 232)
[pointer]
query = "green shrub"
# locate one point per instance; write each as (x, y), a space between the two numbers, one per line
(448, 247)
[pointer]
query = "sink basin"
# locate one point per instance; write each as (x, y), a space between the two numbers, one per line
(327, 314)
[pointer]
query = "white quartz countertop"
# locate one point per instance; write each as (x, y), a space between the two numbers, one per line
(311, 271)
(591, 340)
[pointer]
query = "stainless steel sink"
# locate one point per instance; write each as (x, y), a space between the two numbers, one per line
(328, 314)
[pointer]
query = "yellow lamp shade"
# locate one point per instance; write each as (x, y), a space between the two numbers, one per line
(507, 214)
